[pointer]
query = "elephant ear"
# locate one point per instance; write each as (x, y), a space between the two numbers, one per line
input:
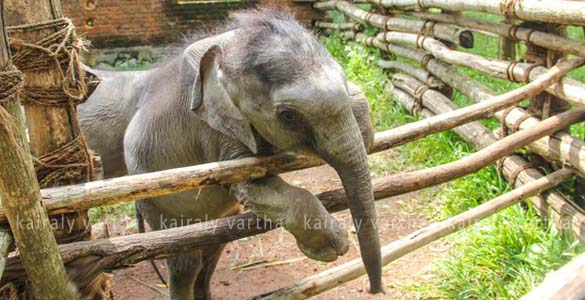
(212, 104)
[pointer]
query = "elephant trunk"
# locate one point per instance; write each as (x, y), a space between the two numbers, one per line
(341, 146)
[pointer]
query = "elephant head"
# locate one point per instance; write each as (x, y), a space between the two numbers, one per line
(270, 76)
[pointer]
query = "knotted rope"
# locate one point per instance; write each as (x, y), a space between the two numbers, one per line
(507, 8)
(10, 83)
(58, 51)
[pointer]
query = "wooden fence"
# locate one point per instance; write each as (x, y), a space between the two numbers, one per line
(430, 39)
(427, 36)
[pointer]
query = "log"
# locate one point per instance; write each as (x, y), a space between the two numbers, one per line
(568, 89)
(559, 11)
(565, 214)
(417, 73)
(451, 33)
(21, 200)
(136, 187)
(561, 147)
(527, 35)
(339, 26)
(121, 251)
(328, 279)
(567, 283)
(487, 107)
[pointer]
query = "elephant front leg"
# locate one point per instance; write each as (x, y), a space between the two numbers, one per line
(319, 236)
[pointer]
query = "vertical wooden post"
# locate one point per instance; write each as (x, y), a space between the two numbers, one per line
(507, 46)
(21, 199)
(50, 127)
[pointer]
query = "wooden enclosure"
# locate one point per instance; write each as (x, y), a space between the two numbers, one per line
(428, 34)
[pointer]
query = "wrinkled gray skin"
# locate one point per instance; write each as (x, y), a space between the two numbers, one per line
(266, 85)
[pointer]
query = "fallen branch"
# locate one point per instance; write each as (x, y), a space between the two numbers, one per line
(447, 32)
(328, 279)
(567, 283)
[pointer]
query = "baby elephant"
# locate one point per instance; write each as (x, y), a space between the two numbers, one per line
(261, 84)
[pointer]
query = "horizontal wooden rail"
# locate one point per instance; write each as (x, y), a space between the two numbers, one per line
(105, 192)
(566, 215)
(339, 26)
(328, 279)
(527, 35)
(558, 11)
(570, 90)
(452, 33)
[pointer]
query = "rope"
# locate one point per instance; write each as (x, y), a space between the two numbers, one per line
(67, 163)
(56, 51)
(9, 292)
(10, 83)
(424, 31)
(507, 8)
(510, 71)
(526, 76)
(424, 61)
(418, 97)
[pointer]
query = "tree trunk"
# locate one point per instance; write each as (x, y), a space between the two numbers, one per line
(49, 127)
(21, 199)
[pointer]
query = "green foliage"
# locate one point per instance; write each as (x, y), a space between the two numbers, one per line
(503, 256)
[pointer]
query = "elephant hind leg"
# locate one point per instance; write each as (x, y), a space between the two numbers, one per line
(210, 258)
(183, 271)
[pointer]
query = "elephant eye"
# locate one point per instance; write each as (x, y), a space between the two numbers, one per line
(287, 115)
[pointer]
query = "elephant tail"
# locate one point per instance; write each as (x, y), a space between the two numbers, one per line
(142, 229)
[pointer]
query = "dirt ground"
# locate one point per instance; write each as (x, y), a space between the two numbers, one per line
(270, 261)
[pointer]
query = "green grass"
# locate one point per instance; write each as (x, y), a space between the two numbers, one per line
(502, 257)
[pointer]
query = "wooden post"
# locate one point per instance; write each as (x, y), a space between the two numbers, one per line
(21, 199)
(507, 45)
(50, 127)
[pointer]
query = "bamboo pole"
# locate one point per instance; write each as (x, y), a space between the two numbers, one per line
(563, 213)
(328, 279)
(527, 35)
(561, 147)
(451, 33)
(339, 26)
(20, 194)
(568, 89)
(121, 251)
(72, 198)
(419, 74)
(558, 11)
(487, 107)
(567, 283)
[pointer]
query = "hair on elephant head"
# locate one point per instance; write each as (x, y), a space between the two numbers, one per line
(271, 76)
